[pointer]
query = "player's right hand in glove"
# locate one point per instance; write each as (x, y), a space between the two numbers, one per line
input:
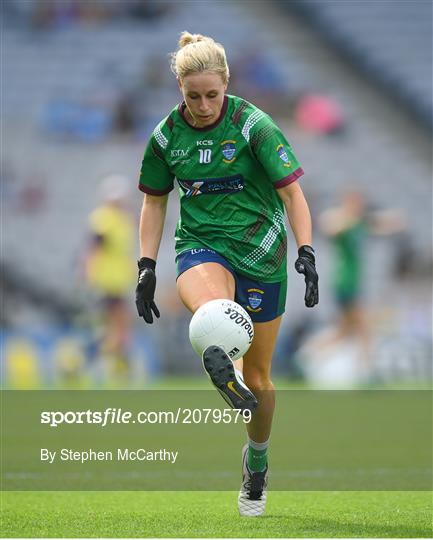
(306, 264)
(145, 290)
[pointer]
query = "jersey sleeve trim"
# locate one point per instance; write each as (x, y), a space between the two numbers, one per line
(157, 152)
(289, 179)
(250, 122)
(160, 138)
(156, 192)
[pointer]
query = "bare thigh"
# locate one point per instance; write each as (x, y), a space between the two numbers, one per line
(205, 282)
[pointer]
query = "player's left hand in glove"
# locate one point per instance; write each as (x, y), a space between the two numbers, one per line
(306, 264)
(145, 290)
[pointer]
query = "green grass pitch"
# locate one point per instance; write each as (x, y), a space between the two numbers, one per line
(214, 514)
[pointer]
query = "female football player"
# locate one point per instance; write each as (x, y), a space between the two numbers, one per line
(236, 173)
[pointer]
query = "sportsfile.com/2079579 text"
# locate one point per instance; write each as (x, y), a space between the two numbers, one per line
(111, 416)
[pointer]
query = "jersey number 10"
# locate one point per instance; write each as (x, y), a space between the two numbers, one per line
(205, 155)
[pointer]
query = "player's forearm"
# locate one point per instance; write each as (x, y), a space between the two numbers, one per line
(298, 214)
(152, 225)
(300, 220)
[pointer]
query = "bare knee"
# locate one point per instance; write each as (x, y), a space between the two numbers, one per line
(257, 379)
(198, 302)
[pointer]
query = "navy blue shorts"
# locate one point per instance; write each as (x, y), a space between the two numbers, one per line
(263, 301)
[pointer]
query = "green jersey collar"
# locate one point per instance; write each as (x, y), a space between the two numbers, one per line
(181, 110)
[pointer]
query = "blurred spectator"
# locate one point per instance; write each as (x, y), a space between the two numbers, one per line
(319, 114)
(33, 195)
(26, 194)
(87, 121)
(135, 105)
(124, 114)
(21, 361)
(147, 10)
(410, 263)
(49, 14)
(258, 78)
(347, 226)
(110, 270)
(69, 359)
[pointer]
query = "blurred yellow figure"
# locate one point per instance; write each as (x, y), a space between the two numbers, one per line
(22, 364)
(110, 268)
(69, 361)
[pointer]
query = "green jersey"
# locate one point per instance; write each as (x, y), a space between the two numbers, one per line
(227, 175)
(348, 256)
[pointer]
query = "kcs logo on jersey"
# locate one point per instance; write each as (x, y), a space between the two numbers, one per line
(228, 149)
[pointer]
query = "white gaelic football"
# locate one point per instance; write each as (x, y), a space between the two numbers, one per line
(223, 323)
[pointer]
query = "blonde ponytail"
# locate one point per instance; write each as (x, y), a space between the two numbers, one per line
(186, 38)
(197, 54)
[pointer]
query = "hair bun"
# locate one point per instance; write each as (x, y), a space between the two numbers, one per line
(205, 55)
(186, 39)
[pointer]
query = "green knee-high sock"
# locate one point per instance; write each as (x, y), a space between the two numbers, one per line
(257, 457)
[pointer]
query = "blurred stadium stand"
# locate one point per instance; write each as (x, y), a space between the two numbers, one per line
(391, 42)
(65, 74)
(17, 291)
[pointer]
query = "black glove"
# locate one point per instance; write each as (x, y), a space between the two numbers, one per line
(306, 264)
(146, 290)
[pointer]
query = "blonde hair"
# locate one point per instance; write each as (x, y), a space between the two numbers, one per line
(199, 53)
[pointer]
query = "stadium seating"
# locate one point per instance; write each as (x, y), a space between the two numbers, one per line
(390, 41)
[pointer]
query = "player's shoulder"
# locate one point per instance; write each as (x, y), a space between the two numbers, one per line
(248, 117)
(163, 130)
